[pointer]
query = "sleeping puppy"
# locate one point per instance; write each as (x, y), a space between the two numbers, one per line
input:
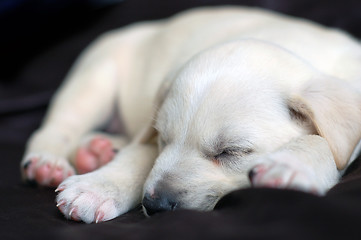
(211, 100)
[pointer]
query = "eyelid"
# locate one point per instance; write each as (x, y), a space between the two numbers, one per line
(234, 151)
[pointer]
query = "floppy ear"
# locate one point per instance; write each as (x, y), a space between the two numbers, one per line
(334, 108)
(149, 133)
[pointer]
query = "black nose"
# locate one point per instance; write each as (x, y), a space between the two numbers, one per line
(158, 203)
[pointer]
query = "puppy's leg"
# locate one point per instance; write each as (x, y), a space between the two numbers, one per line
(306, 164)
(84, 102)
(95, 150)
(109, 191)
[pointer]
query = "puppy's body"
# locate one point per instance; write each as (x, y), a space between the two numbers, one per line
(229, 90)
(168, 45)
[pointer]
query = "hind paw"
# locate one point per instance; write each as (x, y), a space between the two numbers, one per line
(96, 153)
(46, 169)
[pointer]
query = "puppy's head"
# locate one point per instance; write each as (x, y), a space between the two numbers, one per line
(226, 107)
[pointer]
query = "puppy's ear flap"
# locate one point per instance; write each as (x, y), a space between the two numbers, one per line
(149, 133)
(334, 109)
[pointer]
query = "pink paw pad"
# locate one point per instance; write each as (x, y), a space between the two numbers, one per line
(98, 152)
(266, 176)
(270, 176)
(45, 173)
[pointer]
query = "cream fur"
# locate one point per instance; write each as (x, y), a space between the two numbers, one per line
(224, 90)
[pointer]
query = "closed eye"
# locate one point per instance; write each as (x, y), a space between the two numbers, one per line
(230, 157)
(233, 152)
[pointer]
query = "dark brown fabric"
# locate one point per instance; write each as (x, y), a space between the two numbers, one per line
(39, 43)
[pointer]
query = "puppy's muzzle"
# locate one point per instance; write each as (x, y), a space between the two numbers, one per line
(159, 203)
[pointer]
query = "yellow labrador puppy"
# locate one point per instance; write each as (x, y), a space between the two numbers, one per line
(212, 100)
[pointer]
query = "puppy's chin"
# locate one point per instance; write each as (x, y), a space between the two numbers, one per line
(205, 206)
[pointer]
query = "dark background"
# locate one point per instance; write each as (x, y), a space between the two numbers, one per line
(39, 40)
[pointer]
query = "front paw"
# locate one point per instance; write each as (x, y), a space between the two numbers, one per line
(285, 172)
(45, 169)
(89, 198)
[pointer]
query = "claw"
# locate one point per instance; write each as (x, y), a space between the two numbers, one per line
(59, 189)
(251, 174)
(26, 165)
(99, 216)
(71, 211)
(62, 202)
